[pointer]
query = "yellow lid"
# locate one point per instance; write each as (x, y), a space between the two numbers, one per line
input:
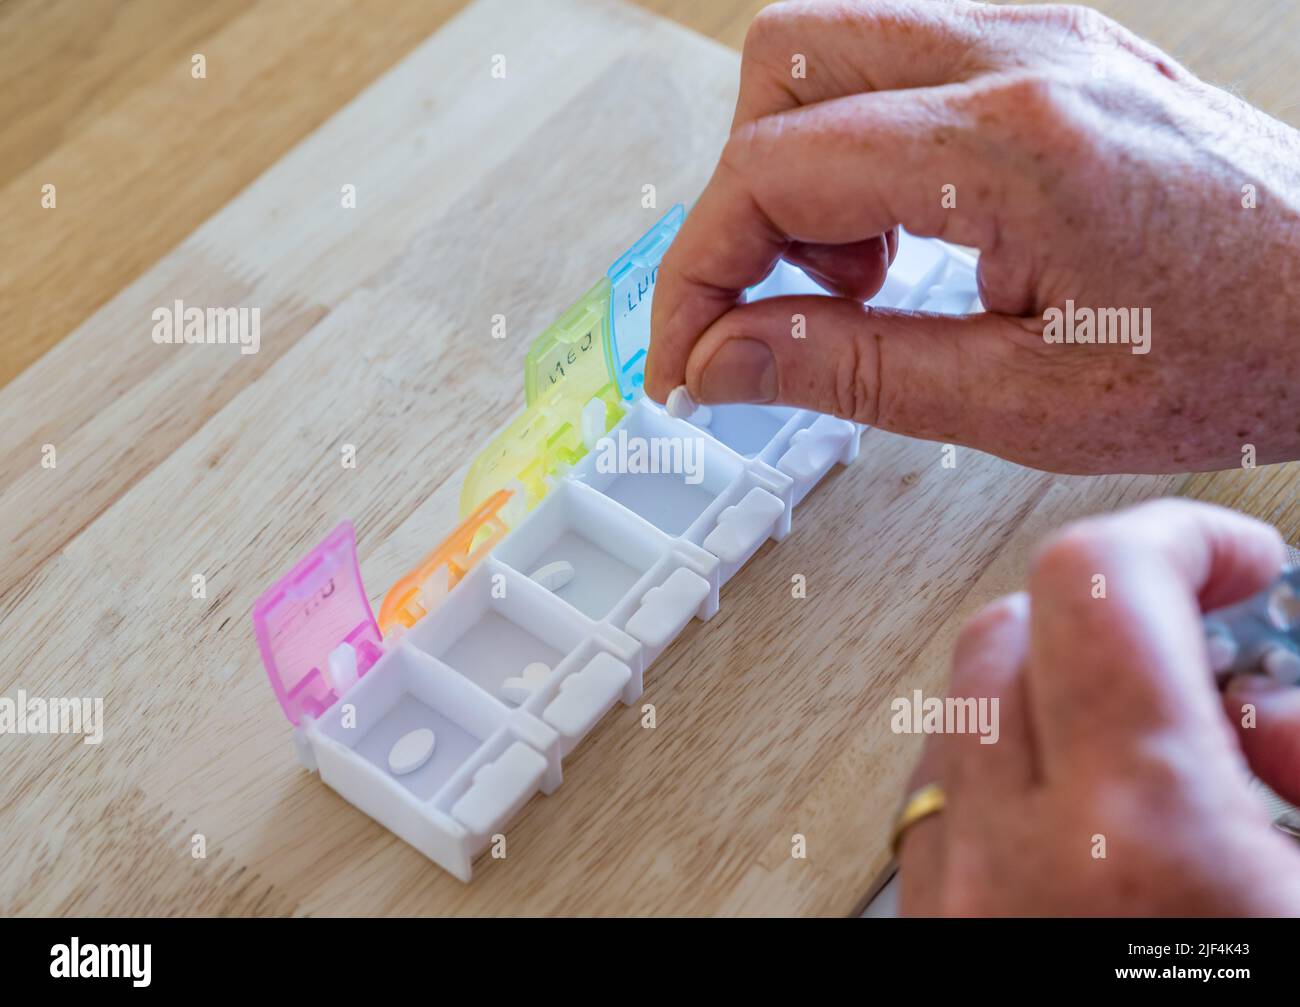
(571, 396)
(572, 357)
(539, 444)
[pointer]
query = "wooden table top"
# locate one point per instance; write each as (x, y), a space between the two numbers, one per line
(180, 462)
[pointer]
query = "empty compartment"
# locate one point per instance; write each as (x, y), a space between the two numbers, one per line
(575, 529)
(746, 429)
(495, 624)
(407, 691)
(660, 468)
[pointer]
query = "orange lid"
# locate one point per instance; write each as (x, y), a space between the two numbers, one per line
(411, 598)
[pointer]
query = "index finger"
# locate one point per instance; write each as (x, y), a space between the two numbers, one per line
(803, 53)
(796, 55)
(832, 173)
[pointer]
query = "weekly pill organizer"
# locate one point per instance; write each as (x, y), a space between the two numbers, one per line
(595, 527)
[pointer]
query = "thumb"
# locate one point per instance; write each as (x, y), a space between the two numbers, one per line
(940, 377)
(1267, 717)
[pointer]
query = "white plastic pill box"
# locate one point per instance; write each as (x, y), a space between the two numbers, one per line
(653, 517)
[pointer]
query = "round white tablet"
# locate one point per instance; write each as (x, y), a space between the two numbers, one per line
(517, 690)
(410, 751)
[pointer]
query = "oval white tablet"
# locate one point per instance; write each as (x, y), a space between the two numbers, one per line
(554, 576)
(410, 751)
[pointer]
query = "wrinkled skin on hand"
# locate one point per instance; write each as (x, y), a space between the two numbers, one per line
(1087, 165)
(1118, 783)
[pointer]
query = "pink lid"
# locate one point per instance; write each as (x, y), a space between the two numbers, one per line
(318, 605)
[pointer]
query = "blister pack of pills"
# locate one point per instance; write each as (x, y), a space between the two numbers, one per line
(595, 527)
(1260, 635)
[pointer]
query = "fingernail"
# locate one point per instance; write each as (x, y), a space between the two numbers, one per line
(743, 370)
(680, 405)
(1253, 685)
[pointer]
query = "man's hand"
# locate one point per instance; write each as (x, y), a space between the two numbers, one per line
(1116, 785)
(1086, 165)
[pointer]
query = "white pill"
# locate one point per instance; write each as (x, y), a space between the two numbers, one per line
(554, 576)
(410, 751)
(592, 422)
(680, 404)
(1222, 650)
(1282, 664)
(1284, 607)
(517, 690)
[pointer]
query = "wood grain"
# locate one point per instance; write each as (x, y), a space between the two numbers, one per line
(475, 196)
(152, 152)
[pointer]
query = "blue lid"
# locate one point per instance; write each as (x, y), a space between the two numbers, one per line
(632, 279)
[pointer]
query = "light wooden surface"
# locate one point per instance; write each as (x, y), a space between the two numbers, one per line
(474, 196)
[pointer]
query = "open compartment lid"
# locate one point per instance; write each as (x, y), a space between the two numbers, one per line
(538, 445)
(632, 278)
(572, 402)
(307, 616)
(416, 594)
(571, 359)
